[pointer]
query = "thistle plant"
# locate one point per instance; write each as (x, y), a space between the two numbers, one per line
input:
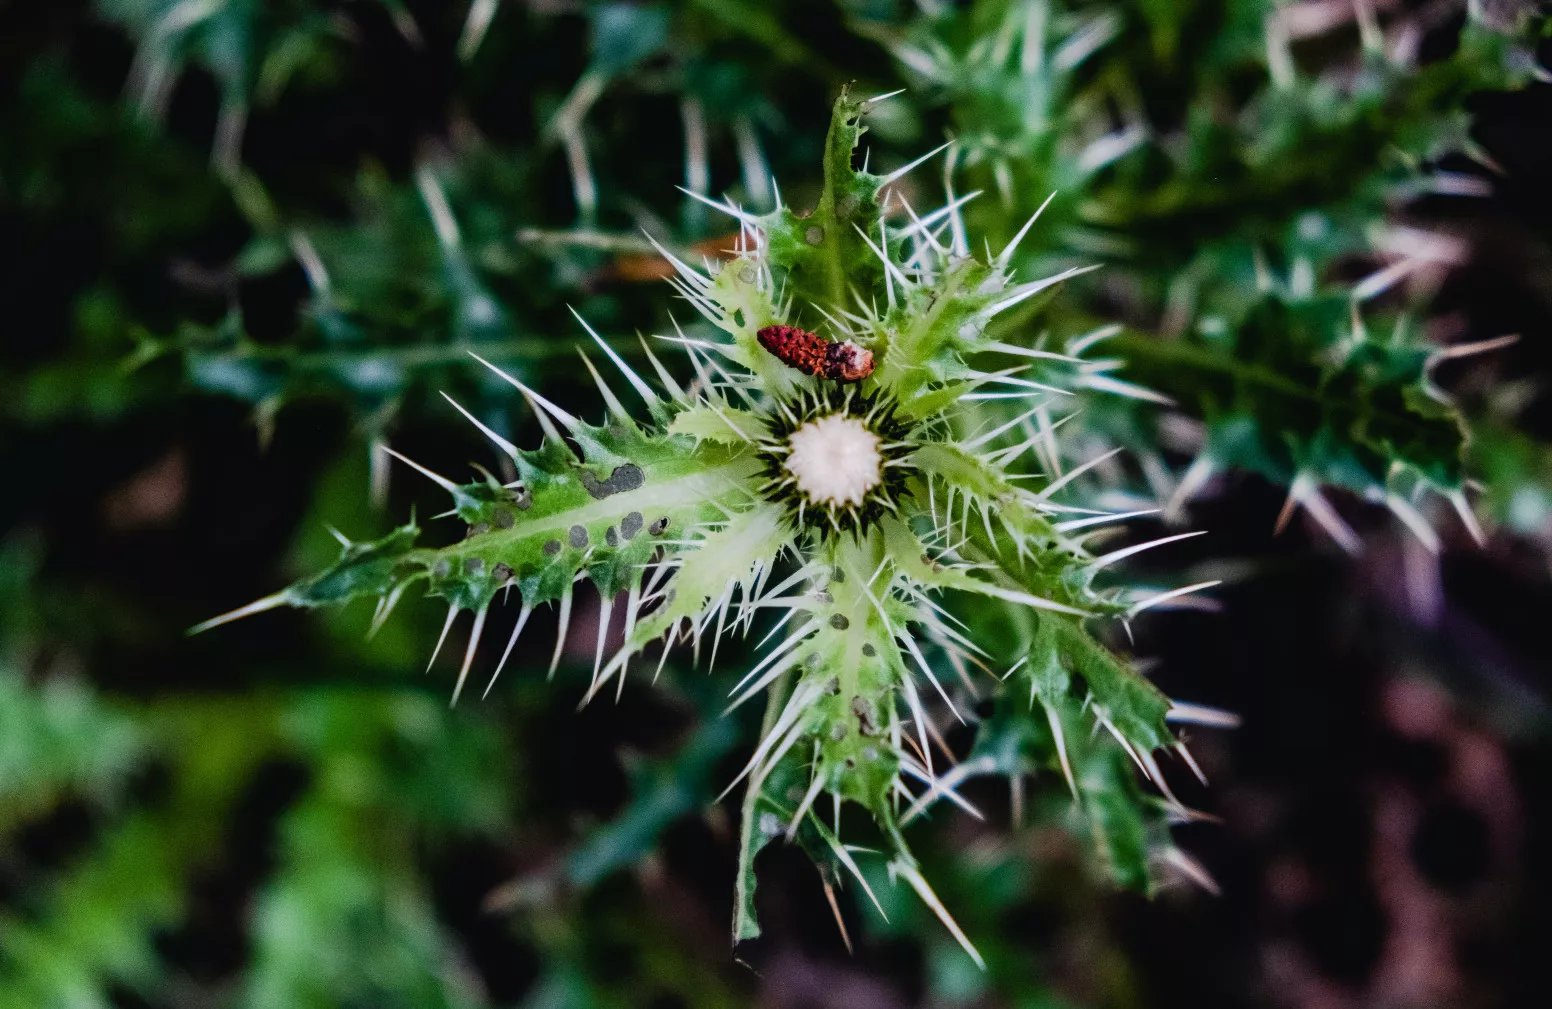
(865, 458)
(1247, 217)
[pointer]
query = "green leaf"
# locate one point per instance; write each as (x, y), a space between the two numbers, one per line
(820, 253)
(1296, 392)
(57, 739)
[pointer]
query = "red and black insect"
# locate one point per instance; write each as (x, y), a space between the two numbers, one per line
(814, 355)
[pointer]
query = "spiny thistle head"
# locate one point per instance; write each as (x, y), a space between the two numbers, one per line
(864, 506)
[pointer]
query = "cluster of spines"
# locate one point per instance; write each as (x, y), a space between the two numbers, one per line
(1377, 427)
(915, 606)
(710, 562)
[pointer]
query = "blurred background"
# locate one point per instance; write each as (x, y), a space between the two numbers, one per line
(245, 243)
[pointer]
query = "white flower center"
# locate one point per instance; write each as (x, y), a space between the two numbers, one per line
(835, 460)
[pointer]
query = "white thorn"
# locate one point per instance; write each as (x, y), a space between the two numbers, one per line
(468, 653)
(441, 481)
(1118, 555)
(899, 172)
(562, 625)
(605, 615)
(636, 381)
(481, 13)
(1059, 736)
(726, 208)
(1414, 520)
(1192, 869)
(844, 857)
(797, 704)
(1130, 390)
(522, 619)
(814, 788)
(688, 273)
(1045, 355)
(452, 612)
(1304, 492)
(1007, 252)
(584, 186)
(611, 402)
(1165, 597)
(1034, 287)
(1073, 474)
(1455, 350)
(1185, 755)
(1200, 714)
(436, 204)
(891, 272)
(1078, 344)
(1193, 480)
(1462, 508)
(945, 786)
(505, 446)
(919, 884)
(921, 660)
(257, 606)
(565, 418)
(1069, 526)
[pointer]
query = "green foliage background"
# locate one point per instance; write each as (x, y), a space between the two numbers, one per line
(248, 242)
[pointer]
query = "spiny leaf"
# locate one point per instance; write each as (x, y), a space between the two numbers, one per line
(1302, 394)
(821, 256)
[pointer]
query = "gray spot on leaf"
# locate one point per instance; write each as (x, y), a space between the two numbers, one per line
(625, 477)
(863, 709)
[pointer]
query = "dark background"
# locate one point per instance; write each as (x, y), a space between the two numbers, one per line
(1378, 815)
